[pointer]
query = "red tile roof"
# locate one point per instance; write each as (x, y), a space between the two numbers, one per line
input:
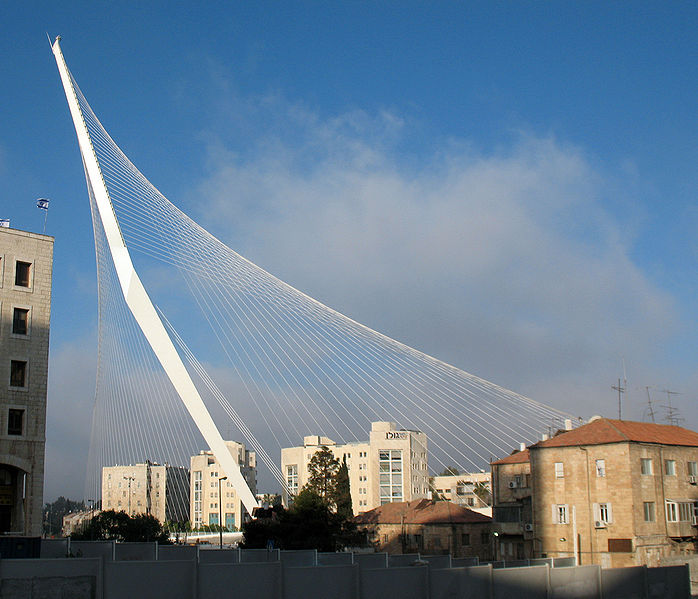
(421, 511)
(606, 430)
(517, 457)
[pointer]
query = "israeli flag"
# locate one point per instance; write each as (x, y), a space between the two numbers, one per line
(5, 222)
(42, 203)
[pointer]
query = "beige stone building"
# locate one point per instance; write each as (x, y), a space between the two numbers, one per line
(461, 489)
(148, 488)
(428, 527)
(611, 492)
(205, 491)
(391, 467)
(26, 262)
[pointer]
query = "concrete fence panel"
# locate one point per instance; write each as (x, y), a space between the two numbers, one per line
(669, 582)
(564, 562)
(405, 559)
(177, 552)
(53, 577)
(581, 582)
(241, 581)
(103, 549)
(335, 559)
(437, 562)
(147, 552)
(327, 582)
(248, 556)
(464, 562)
(523, 583)
(371, 561)
(299, 558)
(151, 579)
(539, 561)
(411, 582)
(461, 583)
(219, 556)
(55, 548)
(623, 583)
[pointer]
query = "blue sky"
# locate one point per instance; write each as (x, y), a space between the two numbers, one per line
(508, 186)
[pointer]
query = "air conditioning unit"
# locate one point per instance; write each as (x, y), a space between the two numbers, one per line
(513, 484)
(599, 524)
(528, 527)
(693, 479)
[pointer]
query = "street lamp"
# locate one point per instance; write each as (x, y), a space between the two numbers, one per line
(129, 479)
(92, 516)
(220, 510)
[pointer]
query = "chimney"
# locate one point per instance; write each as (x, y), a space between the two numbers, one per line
(544, 437)
(522, 446)
(568, 424)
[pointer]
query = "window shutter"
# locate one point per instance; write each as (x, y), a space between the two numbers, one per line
(597, 512)
(556, 520)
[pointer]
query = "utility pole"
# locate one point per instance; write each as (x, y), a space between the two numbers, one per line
(620, 390)
(220, 511)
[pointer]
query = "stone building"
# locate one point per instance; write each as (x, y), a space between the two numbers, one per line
(205, 491)
(148, 488)
(469, 489)
(390, 467)
(428, 527)
(612, 492)
(26, 262)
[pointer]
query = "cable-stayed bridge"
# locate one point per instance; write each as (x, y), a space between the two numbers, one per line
(199, 343)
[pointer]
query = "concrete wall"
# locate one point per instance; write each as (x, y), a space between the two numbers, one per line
(368, 578)
(437, 562)
(259, 555)
(406, 559)
(103, 549)
(242, 581)
(136, 551)
(335, 559)
(299, 558)
(151, 579)
(55, 547)
(328, 582)
(178, 552)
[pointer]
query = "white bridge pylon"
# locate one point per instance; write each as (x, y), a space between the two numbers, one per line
(139, 302)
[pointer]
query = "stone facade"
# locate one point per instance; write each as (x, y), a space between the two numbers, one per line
(390, 467)
(205, 474)
(157, 490)
(26, 263)
(428, 527)
(613, 493)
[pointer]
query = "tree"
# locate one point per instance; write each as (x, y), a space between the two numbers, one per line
(122, 527)
(322, 478)
(483, 493)
(342, 495)
(54, 512)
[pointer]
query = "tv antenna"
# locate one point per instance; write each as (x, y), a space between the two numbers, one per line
(650, 410)
(621, 389)
(672, 413)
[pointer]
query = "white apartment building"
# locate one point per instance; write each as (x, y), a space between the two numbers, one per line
(26, 262)
(153, 489)
(206, 494)
(390, 467)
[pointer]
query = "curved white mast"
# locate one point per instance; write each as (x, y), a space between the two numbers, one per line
(138, 301)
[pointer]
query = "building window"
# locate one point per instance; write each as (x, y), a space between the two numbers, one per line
(18, 373)
(15, 421)
(485, 538)
(22, 273)
(600, 467)
(692, 468)
(649, 511)
(670, 467)
(685, 512)
(390, 475)
(292, 479)
(559, 470)
(20, 321)
(560, 514)
(603, 512)
(465, 539)
(672, 513)
(646, 466)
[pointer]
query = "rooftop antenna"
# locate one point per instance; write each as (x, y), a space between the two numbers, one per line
(672, 413)
(650, 410)
(620, 390)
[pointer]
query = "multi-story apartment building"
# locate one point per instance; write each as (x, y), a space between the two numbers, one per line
(611, 492)
(469, 489)
(26, 262)
(153, 489)
(210, 487)
(390, 467)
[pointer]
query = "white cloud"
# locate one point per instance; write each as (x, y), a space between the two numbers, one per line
(505, 264)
